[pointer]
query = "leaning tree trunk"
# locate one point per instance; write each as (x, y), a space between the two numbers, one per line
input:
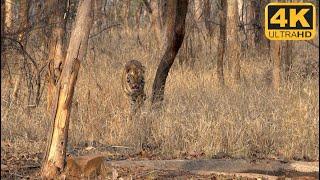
(177, 10)
(55, 157)
(222, 40)
(56, 44)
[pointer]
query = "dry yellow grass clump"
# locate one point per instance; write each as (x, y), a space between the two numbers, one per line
(249, 120)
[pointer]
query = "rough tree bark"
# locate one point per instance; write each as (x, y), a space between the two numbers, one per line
(287, 57)
(222, 40)
(98, 15)
(255, 31)
(275, 52)
(155, 20)
(233, 38)
(24, 20)
(177, 10)
(2, 32)
(197, 10)
(163, 5)
(207, 16)
(8, 21)
(125, 14)
(55, 157)
(9, 15)
(276, 57)
(287, 54)
(22, 37)
(264, 42)
(56, 44)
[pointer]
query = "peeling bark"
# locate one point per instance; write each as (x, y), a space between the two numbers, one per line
(55, 157)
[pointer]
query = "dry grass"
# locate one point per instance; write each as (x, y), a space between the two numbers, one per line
(248, 120)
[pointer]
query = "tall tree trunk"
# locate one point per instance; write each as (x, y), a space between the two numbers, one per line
(222, 40)
(22, 37)
(8, 20)
(287, 56)
(98, 15)
(177, 10)
(9, 15)
(58, 138)
(255, 32)
(197, 10)
(2, 32)
(233, 38)
(207, 16)
(125, 15)
(163, 13)
(264, 42)
(276, 57)
(138, 16)
(155, 20)
(57, 46)
(24, 20)
(287, 53)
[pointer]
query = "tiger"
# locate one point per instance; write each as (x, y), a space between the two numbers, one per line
(133, 81)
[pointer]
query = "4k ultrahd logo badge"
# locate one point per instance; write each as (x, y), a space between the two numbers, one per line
(290, 21)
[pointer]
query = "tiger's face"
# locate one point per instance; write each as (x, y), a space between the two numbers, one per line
(133, 78)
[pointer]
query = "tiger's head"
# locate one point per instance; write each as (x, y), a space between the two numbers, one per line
(133, 78)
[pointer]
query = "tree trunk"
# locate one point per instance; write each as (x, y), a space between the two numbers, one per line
(264, 43)
(24, 20)
(197, 10)
(233, 38)
(2, 32)
(98, 15)
(8, 20)
(177, 10)
(276, 57)
(56, 44)
(222, 40)
(155, 21)
(9, 15)
(275, 52)
(58, 138)
(207, 16)
(255, 32)
(22, 37)
(163, 13)
(126, 11)
(138, 16)
(287, 53)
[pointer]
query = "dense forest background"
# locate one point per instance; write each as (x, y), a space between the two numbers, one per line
(265, 104)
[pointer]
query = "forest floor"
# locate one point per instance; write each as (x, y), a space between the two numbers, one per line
(121, 162)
